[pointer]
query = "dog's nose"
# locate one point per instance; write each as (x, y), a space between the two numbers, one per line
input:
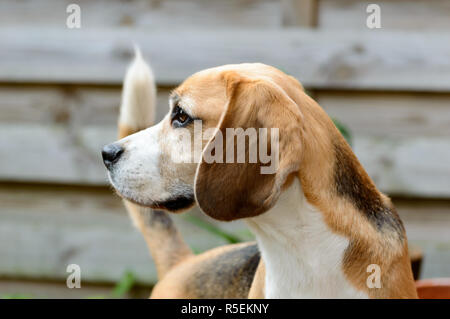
(111, 154)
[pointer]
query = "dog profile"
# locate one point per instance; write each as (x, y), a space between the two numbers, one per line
(319, 220)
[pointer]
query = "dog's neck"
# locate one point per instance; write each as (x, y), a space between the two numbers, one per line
(302, 256)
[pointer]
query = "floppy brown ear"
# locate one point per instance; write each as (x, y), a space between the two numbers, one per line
(228, 191)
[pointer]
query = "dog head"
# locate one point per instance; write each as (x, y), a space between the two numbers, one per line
(193, 155)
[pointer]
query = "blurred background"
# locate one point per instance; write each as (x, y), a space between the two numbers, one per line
(60, 87)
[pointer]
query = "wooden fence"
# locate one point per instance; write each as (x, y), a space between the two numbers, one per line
(60, 93)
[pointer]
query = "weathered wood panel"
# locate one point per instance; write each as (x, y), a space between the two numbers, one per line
(148, 14)
(57, 289)
(427, 224)
(383, 114)
(402, 139)
(299, 13)
(395, 14)
(320, 59)
(407, 166)
(54, 134)
(45, 228)
(73, 105)
(175, 14)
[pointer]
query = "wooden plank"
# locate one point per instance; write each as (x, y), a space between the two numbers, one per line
(73, 105)
(300, 13)
(151, 15)
(54, 134)
(389, 114)
(45, 228)
(320, 59)
(173, 14)
(427, 224)
(57, 289)
(402, 139)
(365, 113)
(63, 129)
(395, 14)
(42, 289)
(55, 153)
(407, 166)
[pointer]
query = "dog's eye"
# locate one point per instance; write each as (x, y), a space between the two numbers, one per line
(179, 117)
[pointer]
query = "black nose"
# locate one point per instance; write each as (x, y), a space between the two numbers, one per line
(111, 154)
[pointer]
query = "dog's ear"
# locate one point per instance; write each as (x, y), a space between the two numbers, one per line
(227, 188)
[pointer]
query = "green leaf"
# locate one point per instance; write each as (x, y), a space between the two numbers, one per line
(124, 285)
(230, 238)
(345, 131)
(16, 296)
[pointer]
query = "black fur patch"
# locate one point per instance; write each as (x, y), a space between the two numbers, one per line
(161, 218)
(230, 274)
(354, 184)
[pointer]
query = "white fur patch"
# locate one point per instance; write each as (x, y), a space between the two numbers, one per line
(303, 257)
(137, 174)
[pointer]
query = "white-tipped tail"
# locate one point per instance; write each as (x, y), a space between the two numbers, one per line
(137, 110)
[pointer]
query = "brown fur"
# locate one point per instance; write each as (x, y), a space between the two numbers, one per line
(334, 181)
(311, 149)
(332, 178)
(224, 272)
(258, 284)
(163, 239)
(125, 130)
(230, 194)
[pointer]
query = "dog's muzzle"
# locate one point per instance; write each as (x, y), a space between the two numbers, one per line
(111, 154)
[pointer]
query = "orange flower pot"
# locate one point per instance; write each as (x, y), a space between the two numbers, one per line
(436, 288)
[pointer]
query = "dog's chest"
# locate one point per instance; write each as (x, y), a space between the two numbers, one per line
(310, 270)
(302, 256)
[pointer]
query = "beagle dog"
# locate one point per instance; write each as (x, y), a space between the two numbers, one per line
(320, 222)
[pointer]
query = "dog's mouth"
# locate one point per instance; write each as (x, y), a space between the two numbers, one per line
(176, 204)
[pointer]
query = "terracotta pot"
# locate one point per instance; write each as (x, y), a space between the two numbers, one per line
(436, 288)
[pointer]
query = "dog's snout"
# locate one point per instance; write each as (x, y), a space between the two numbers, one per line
(111, 154)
